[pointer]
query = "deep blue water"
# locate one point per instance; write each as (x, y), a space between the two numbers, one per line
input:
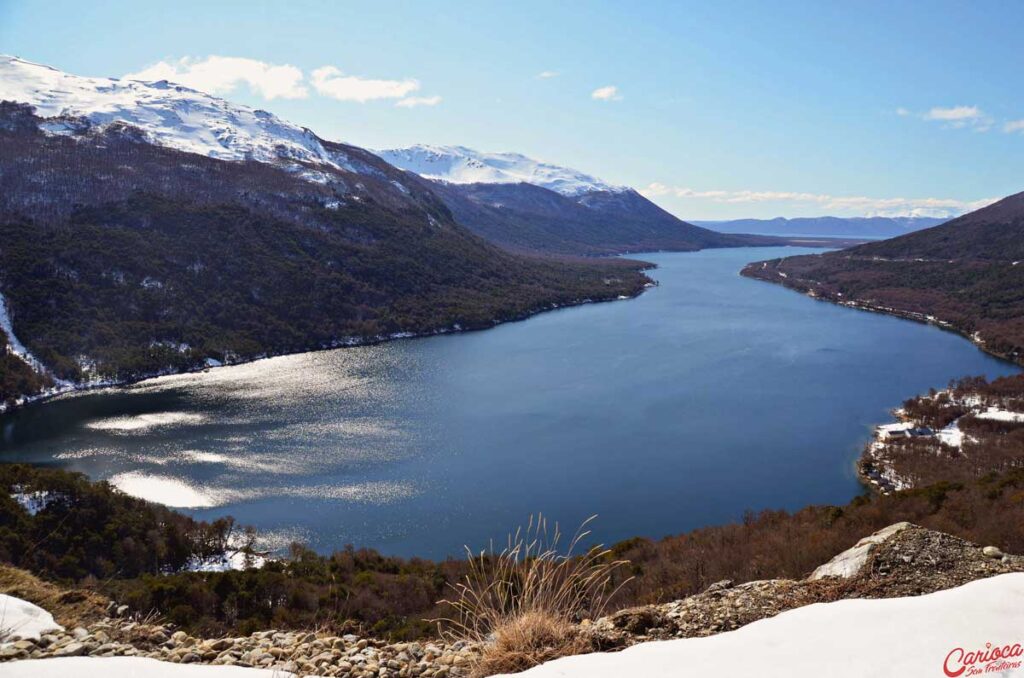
(706, 396)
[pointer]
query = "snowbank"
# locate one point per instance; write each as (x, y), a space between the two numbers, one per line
(978, 627)
(1001, 415)
(127, 667)
(23, 620)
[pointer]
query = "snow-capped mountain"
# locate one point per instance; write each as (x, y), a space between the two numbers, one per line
(461, 165)
(166, 114)
(524, 204)
(166, 228)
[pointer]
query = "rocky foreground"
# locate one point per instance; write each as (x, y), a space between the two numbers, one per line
(901, 560)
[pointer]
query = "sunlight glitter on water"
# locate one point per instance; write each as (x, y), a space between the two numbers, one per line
(165, 490)
(143, 423)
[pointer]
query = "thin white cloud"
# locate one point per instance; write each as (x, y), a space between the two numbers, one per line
(412, 102)
(954, 113)
(222, 75)
(545, 75)
(608, 93)
(957, 117)
(330, 81)
(1013, 126)
(860, 205)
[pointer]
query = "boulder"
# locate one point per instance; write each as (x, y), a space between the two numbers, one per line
(850, 562)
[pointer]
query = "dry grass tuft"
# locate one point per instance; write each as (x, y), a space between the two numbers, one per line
(523, 604)
(528, 640)
(70, 607)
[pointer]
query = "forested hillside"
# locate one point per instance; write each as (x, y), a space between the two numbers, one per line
(119, 258)
(966, 274)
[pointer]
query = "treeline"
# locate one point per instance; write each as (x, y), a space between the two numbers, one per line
(398, 596)
(83, 530)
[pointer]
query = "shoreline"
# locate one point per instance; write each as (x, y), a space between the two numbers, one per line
(860, 305)
(870, 475)
(69, 388)
(65, 388)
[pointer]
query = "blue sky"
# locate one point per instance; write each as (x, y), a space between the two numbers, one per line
(719, 109)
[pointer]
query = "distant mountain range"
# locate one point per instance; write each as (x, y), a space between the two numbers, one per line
(835, 227)
(966, 274)
(147, 227)
(524, 204)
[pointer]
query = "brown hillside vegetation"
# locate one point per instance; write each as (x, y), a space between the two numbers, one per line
(967, 273)
(396, 597)
(986, 443)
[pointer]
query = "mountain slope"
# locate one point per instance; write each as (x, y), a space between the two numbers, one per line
(523, 204)
(861, 227)
(461, 165)
(124, 254)
(527, 217)
(164, 114)
(966, 274)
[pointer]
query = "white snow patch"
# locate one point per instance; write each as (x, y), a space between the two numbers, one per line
(461, 165)
(21, 620)
(1000, 415)
(33, 502)
(848, 563)
(232, 560)
(129, 667)
(15, 346)
(951, 435)
(889, 638)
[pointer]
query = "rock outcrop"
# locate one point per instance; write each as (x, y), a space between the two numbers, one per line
(901, 560)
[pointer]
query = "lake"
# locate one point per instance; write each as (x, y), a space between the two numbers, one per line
(707, 396)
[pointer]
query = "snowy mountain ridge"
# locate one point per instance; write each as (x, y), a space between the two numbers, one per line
(167, 114)
(461, 165)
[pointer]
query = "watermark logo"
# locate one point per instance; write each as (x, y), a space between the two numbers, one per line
(991, 659)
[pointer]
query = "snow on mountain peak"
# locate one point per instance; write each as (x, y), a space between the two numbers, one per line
(168, 114)
(461, 165)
